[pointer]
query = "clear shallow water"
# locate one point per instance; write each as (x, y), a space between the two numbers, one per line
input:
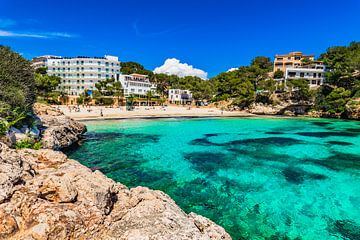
(258, 178)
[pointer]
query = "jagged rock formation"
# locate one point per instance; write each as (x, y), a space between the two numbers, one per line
(353, 109)
(45, 195)
(58, 130)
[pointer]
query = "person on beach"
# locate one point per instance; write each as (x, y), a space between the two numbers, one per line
(101, 113)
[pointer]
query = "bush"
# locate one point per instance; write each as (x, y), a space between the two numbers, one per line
(17, 85)
(28, 143)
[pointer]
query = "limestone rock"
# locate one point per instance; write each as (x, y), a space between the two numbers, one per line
(57, 189)
(353, 109)
(58, 198)
(58, 130)
(10, 171)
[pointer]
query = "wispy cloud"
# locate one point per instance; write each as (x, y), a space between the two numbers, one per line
(4, 33)
(6, 26)
(6, 22)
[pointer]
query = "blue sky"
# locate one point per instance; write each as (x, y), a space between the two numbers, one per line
(210, 35)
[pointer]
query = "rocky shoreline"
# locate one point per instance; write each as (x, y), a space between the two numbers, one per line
(352, 111)
(45, 195)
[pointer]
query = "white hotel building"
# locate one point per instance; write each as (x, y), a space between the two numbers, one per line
(179, 96)
(79, 73)
(82, 73)
(314, 73)
(136, 84)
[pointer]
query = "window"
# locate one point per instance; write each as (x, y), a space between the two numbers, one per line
(82, 81)
(77, 81)
(313, 82)
(99, 69)
(99, 75)
(297, 58)
(292, 74)
(302, 74)
(314, 75)
(99, 63)
(319, 74)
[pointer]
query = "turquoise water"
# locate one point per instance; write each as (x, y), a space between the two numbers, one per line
(258, 178)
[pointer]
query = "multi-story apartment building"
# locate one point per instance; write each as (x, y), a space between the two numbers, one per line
(290, 60)
(42, 61)
(136, 84)
(314, 73)
(79, 73)
(179, 96)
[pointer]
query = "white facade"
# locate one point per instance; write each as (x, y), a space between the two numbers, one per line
(180, 96)
(42, 61)
(136, 84)
(315, 74)
(81, 73)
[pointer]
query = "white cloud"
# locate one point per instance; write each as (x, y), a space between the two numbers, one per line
(172, 66)
(232, 69)
(36, 35)
(14, 34)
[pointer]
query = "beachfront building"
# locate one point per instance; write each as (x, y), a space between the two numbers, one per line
(136, 84)
(79, 73)
(290, 60)
(179, 96)
(314, 73)
(42, 61)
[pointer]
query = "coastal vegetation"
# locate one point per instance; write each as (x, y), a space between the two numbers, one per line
(21, 85)
(255, 83)
(17, 89)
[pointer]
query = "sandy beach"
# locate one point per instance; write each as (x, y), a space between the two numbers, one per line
(94, 112)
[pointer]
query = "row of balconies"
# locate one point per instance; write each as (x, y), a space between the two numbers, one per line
(109, 64)
(82, 70)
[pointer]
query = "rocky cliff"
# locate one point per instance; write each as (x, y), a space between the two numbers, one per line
(45, 195)
(58, 130)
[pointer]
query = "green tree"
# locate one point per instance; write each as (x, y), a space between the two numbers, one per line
(41, 70)
(149, 95)
(134, 67)
(46, 84)
(335, 101)
(306, 61)
(263, 63)
(344, 63)
(84, 98)
(300, 90)
(17, 85)
(278, 74)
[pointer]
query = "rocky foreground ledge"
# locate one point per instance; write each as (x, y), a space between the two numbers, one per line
(45, 195)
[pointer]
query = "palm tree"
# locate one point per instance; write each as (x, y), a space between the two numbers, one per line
(130, 101)
(117, 91)
(148, 96)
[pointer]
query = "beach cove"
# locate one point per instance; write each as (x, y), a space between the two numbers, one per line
(259, 178)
